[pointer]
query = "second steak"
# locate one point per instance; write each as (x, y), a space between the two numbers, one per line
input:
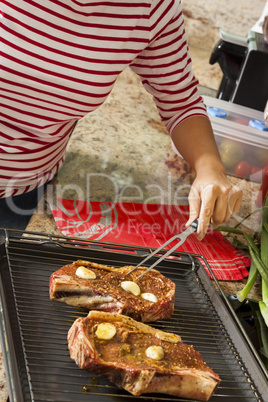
(139, 358)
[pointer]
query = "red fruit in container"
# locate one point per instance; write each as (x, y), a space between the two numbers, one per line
(243, 169)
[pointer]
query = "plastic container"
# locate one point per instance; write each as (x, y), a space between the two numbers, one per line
(243, 148)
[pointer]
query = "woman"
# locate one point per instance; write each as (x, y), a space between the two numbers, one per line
(59, 61)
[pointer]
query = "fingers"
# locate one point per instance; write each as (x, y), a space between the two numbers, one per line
(227, 203)
(194, 200)
(213, 204)
(201, 207)
(208, 201)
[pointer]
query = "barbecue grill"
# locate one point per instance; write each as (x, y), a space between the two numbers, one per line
(34, 328)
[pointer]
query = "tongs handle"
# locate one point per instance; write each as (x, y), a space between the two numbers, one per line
(194, 224)
(191, 229)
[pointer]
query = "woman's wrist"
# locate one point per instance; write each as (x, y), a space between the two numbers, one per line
(209, 163)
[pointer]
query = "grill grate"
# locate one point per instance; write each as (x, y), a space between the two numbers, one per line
(34, 329)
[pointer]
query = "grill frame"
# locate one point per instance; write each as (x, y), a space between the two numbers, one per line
(35, 349)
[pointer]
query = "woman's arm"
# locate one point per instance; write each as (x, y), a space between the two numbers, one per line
(166, 72)
(212, 197)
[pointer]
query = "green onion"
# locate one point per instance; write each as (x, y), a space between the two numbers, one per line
(264, 234)
(255, 257)
(253, 273)
(264, 257)
(229, 230)
(259, 260)
(263, 333)
(264, 292)
(264, 312)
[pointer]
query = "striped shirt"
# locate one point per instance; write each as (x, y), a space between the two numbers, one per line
(59, 60)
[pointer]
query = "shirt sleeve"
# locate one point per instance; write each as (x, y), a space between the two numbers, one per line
(165, 66)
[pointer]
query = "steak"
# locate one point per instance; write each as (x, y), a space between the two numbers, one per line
(139, 358)
(99, 287)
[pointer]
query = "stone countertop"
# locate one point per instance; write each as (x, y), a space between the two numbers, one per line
(123, 148)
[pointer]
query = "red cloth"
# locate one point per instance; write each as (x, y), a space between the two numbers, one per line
(147, 225)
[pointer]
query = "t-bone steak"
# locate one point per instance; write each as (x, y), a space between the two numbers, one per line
(99, 287)
(139, 358)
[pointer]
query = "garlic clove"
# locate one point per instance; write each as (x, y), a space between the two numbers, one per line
(149, 296)
(85, 273)
(155, 352)
(105, 331)
(131, 287)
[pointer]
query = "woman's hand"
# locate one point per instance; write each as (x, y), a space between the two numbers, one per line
(213, 199)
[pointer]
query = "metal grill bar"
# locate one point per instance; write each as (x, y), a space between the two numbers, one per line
(43, 324)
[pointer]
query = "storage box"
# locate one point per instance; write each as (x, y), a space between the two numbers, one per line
(241, 136)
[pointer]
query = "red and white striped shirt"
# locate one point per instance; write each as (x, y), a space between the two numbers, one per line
(59, 60)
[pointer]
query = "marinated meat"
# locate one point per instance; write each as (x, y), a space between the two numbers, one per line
(99, 287)
(139, 358)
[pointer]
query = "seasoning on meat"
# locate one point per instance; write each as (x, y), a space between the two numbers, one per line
(99, 287)
(141, 359)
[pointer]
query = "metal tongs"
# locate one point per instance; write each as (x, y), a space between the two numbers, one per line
(182, 236)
